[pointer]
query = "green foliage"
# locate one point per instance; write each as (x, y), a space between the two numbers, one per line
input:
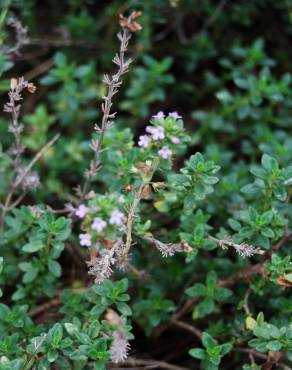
(216, 179)
(212, 354)
(208, 294)
(147, 85)
(272, 338)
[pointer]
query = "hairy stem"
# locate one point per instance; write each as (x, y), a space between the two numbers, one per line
(130, 219)
(113, 83)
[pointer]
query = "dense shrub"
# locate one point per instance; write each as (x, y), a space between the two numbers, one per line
(160, 236)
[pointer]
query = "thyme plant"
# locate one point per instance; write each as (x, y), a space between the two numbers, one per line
(171, 233)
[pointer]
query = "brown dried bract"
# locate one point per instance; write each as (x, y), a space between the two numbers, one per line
(108, 243)
(130, 23)
(146, 191)
(144, 167)
(185, 246)
(128, 188)
(158, 185)
(13, 83)
(112, 317)
(284, 282)
(31, 87)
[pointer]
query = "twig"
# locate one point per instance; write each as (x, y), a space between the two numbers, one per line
(29, 361)
(245, 300)
(7, 206)
(167, 249)
(52, 303)
(35, 159)
(188, 327)
(156, 364)
(243, 249)
(21, 37)
(130, 218)
(113, 84)
(147, 172)
(44, 307)
(262, 356)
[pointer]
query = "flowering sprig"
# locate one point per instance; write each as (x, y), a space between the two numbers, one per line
(164, 136)
(113, 83)
(242, 249)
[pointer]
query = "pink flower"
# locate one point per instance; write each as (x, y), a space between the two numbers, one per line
(159, 115)
(158, 133)
(81, 211)
(150, 129)
(165, 152)
(98, 224)
(144, 141)
(175, 115)
(85, 240)
(121, 199)
(117, 218)
(175, 140)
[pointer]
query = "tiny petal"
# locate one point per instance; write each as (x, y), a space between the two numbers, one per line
(98, 225)
(81, 211)
(158, 133)
(175, 140)
(175, 115)
(144, 141)
(150, 129)
(159, 115)
(165, 152)
(85, 240)
(121, 199)
(117, 218)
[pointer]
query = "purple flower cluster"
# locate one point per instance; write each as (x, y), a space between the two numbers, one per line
(117, 218)
(157, 133)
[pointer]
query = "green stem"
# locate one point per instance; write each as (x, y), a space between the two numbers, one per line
(146, 179)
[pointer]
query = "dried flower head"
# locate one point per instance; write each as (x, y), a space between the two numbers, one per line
(243, 249)
(120, 345)
(146, 192)
(102, 266)
(129, 23)
(31, 88)
(31, 181)
(21, 37)
(168, 250)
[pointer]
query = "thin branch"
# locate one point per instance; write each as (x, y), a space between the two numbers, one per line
(153, 363)
(35, 159)
(262, 356)
(147, 172)
(167, 249)
(243, 249)
(21, 37)
(188, 327)
(245, 301)
(44, 307)
(130, 219)
(14, 186)
(113, 83)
